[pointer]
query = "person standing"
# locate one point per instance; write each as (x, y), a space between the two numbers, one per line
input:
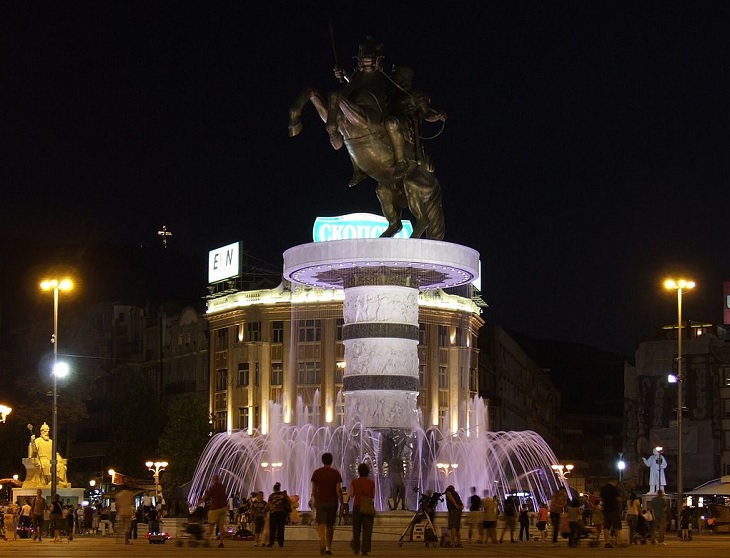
(362, 523)
(326, 497)
(543, 515)
(633, 509)
(37, 510)
(475, 515)
(257, 510)
(524, 520)
(454, 506)
(491, 513)
(26, 513)
(659, 506)
(510, 519)
(278, 507)
(611, 499)
(10, 518)
(56, 517)
(557, 506)
(125, 508)
(217, 508)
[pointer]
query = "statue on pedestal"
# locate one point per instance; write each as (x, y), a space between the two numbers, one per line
(656, 463)
(38, 462)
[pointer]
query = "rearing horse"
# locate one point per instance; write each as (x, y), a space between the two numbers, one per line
(355, 117)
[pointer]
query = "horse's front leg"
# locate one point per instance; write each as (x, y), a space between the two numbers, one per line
(331, 124)
(295, 112)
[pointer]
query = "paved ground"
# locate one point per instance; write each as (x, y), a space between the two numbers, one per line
(712, 546)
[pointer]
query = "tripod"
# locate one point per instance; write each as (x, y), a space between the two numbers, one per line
(426, 505)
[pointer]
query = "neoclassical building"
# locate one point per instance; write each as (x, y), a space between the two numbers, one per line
(282, 348)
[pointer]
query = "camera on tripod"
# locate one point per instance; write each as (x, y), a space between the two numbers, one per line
(430, 501)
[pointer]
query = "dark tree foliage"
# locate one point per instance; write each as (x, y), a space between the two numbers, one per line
(185, 436)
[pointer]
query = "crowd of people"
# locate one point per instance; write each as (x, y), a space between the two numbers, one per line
(38, 518)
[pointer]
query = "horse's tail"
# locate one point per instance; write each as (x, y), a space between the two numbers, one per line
(435, 215)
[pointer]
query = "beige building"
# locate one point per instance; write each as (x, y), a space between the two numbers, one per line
(285, 345)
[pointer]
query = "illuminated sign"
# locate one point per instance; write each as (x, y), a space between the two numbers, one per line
(224, 263)
(355, 225)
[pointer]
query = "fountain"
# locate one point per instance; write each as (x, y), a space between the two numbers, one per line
(382, 279)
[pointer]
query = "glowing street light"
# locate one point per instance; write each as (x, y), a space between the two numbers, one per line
(680, 285)
(59, 370)
(621, 466)
(562, 471)
(272, 467)
(156, 467)
(447, 469)
(4, 412)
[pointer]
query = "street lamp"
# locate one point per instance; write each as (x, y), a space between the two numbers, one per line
(621, 466)
(156, 467)
(447, 469)
(4, 412)
(562, 471)
(680, 285)
(55, 285)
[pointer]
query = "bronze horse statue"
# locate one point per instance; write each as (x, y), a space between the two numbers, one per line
(358, 117)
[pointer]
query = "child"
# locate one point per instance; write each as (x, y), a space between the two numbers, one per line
(543, 515)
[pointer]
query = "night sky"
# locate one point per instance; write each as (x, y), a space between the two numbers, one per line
(585, 155)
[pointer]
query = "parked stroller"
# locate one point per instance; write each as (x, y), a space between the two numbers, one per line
(193, 529)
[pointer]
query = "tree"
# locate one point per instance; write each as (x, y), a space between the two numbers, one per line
(181, 445)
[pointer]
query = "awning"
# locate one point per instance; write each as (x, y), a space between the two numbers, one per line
(717, 487)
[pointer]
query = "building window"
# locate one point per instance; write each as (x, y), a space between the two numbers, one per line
(220, 421)
(422, 375)
(443, 336)
(221, 379)
(309, 373)
(243, 374)
(221, 339)
(443, 377)
(243, 418)
(339, 325)
(277, 331)
(253, 331)
(421, 334)
(256, 373)
(277, 374)
(339, 372)
(309, 330)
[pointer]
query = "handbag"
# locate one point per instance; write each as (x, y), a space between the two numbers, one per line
(367, 506)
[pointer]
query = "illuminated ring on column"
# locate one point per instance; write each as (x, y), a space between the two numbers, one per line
(361, 382)
(379, 329)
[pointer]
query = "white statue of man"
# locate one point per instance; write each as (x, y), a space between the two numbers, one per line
(656, 463)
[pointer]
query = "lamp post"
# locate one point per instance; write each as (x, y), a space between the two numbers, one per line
(621, 466)
(156, 467)
(562, 471)
(680, 285)
(4, 412)
(272, 467)
(55, 285)
(447, 469)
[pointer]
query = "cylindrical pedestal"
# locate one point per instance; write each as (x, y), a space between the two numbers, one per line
(381, 278)
(381, 354)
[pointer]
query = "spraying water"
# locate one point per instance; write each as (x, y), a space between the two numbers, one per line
(498, 463)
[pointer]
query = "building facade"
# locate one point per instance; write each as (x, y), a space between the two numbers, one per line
(282, 349)
(650, 409)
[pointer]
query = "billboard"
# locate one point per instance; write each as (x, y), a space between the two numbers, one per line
(355, 225)
(224, 262)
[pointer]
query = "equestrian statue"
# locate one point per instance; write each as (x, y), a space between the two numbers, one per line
(378, 118)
